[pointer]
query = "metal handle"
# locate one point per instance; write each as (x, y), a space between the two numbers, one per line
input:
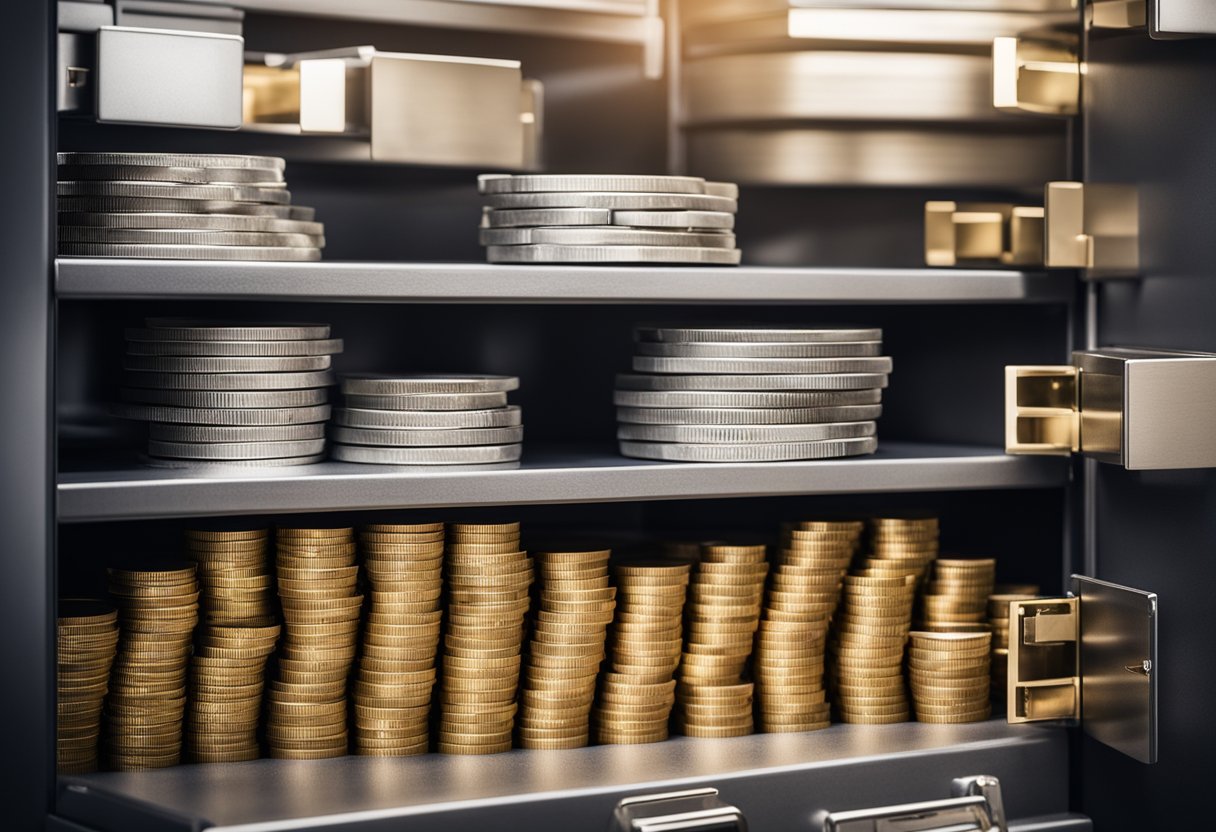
(976, 805)
(696, 810)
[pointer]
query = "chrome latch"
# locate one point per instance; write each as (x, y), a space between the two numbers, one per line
(695, 810)
(976, 804)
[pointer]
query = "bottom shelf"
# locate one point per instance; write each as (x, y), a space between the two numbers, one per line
(778, 780)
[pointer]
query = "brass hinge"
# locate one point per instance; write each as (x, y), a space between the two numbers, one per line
(1037, 76)
(1094, 227)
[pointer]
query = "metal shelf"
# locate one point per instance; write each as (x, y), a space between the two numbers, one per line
(113, 278)
(134, 491)
(771, 777)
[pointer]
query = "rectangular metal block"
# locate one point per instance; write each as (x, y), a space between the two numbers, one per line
(1170, 19)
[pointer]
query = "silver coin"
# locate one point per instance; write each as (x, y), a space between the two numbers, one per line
(602, 236)
(175, 237)
(167, 432)
(726, 189)
(654, 364)
(613, 254)
(428, 401)
(543, 217)
(187, 252)
(273, 364)
(135, 205)
(684, 220)
(190, 329)
(754, 333)
(235, 450)
(229, 464)
(614, 201)
(165, 173)
(161, 190)
(227, 381)
(746, 415)
(428, 438)
(501, 417)
(766, 399)
(474, 455)
(727, 383)
(223, 416)
(212, 399)
(822, 349)
(413, 384)
(236, 349)
(745, 434)
(548, 183)
(203, 160)
(761, 452)
(191, 222)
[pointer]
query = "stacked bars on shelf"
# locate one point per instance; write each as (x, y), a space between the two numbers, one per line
(488, 577)
(956, 599)
(722, 616)
(236, 637)
(751, 393)
(232, 394)
(949, 676)
(804, 590)
(608, 219)
(568, 635)
(182, 206)
(427, 419)
(306, 703)
(867, 645)
(403, 566)
(637, 690)
(998, 619)
(87, 640)
(157, 612)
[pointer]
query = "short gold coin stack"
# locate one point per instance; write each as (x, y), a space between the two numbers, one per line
(568, 634)
(722, 616)
(488, 576)
(949, 676)
(403, 565)
(306, 703)
(868, 640)
(87, 641)
(998, 619)
(956, 598)
(157, 611)
(637, 691)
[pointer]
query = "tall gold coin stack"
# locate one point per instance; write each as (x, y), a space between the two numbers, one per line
(998, 620)
(903, 546)
(956, 599)
(234, 579)
(949, 676)
(87, 641)
(868, 639)
(488, 576)
(403, 565)
(567, 647)
(722, 615)
(157, 611)
(306, 704)
(637, 691)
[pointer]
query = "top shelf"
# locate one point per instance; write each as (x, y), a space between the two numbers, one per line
(114, 278)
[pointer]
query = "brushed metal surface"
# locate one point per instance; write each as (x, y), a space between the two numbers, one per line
(695, 12)
(1170, 19)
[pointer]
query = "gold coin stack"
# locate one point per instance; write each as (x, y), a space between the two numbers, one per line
(403, 565)
(949, 676)
(867, 645)
(998, 620)
(567, 647)
(804, 590)
(903, 546)
(87, 641)
(157, 611)
(488, 577)
(638, 690)
(228, 673)
(234, 579)
(956, 599)
(306, 704)
(722, 616)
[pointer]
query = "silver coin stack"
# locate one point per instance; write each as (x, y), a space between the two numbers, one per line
(427, 419)
(751, 393)
(235, 394)
(182, 206)
(608, 219)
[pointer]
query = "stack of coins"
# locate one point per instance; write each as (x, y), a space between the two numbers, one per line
(86, 643)
(751, 393)
(428, 419)
(722, 615)
(903, 546)
(183, 206)
(488, 576)
(608, 219)
(998, 620)
(306, 703)
(638, 690)
(571, 624)
(235, 584)
(868, 639)
(949, 676)
(157, 611)
(403, 566)
(230, 393)
(956, 599)
(228, 673)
